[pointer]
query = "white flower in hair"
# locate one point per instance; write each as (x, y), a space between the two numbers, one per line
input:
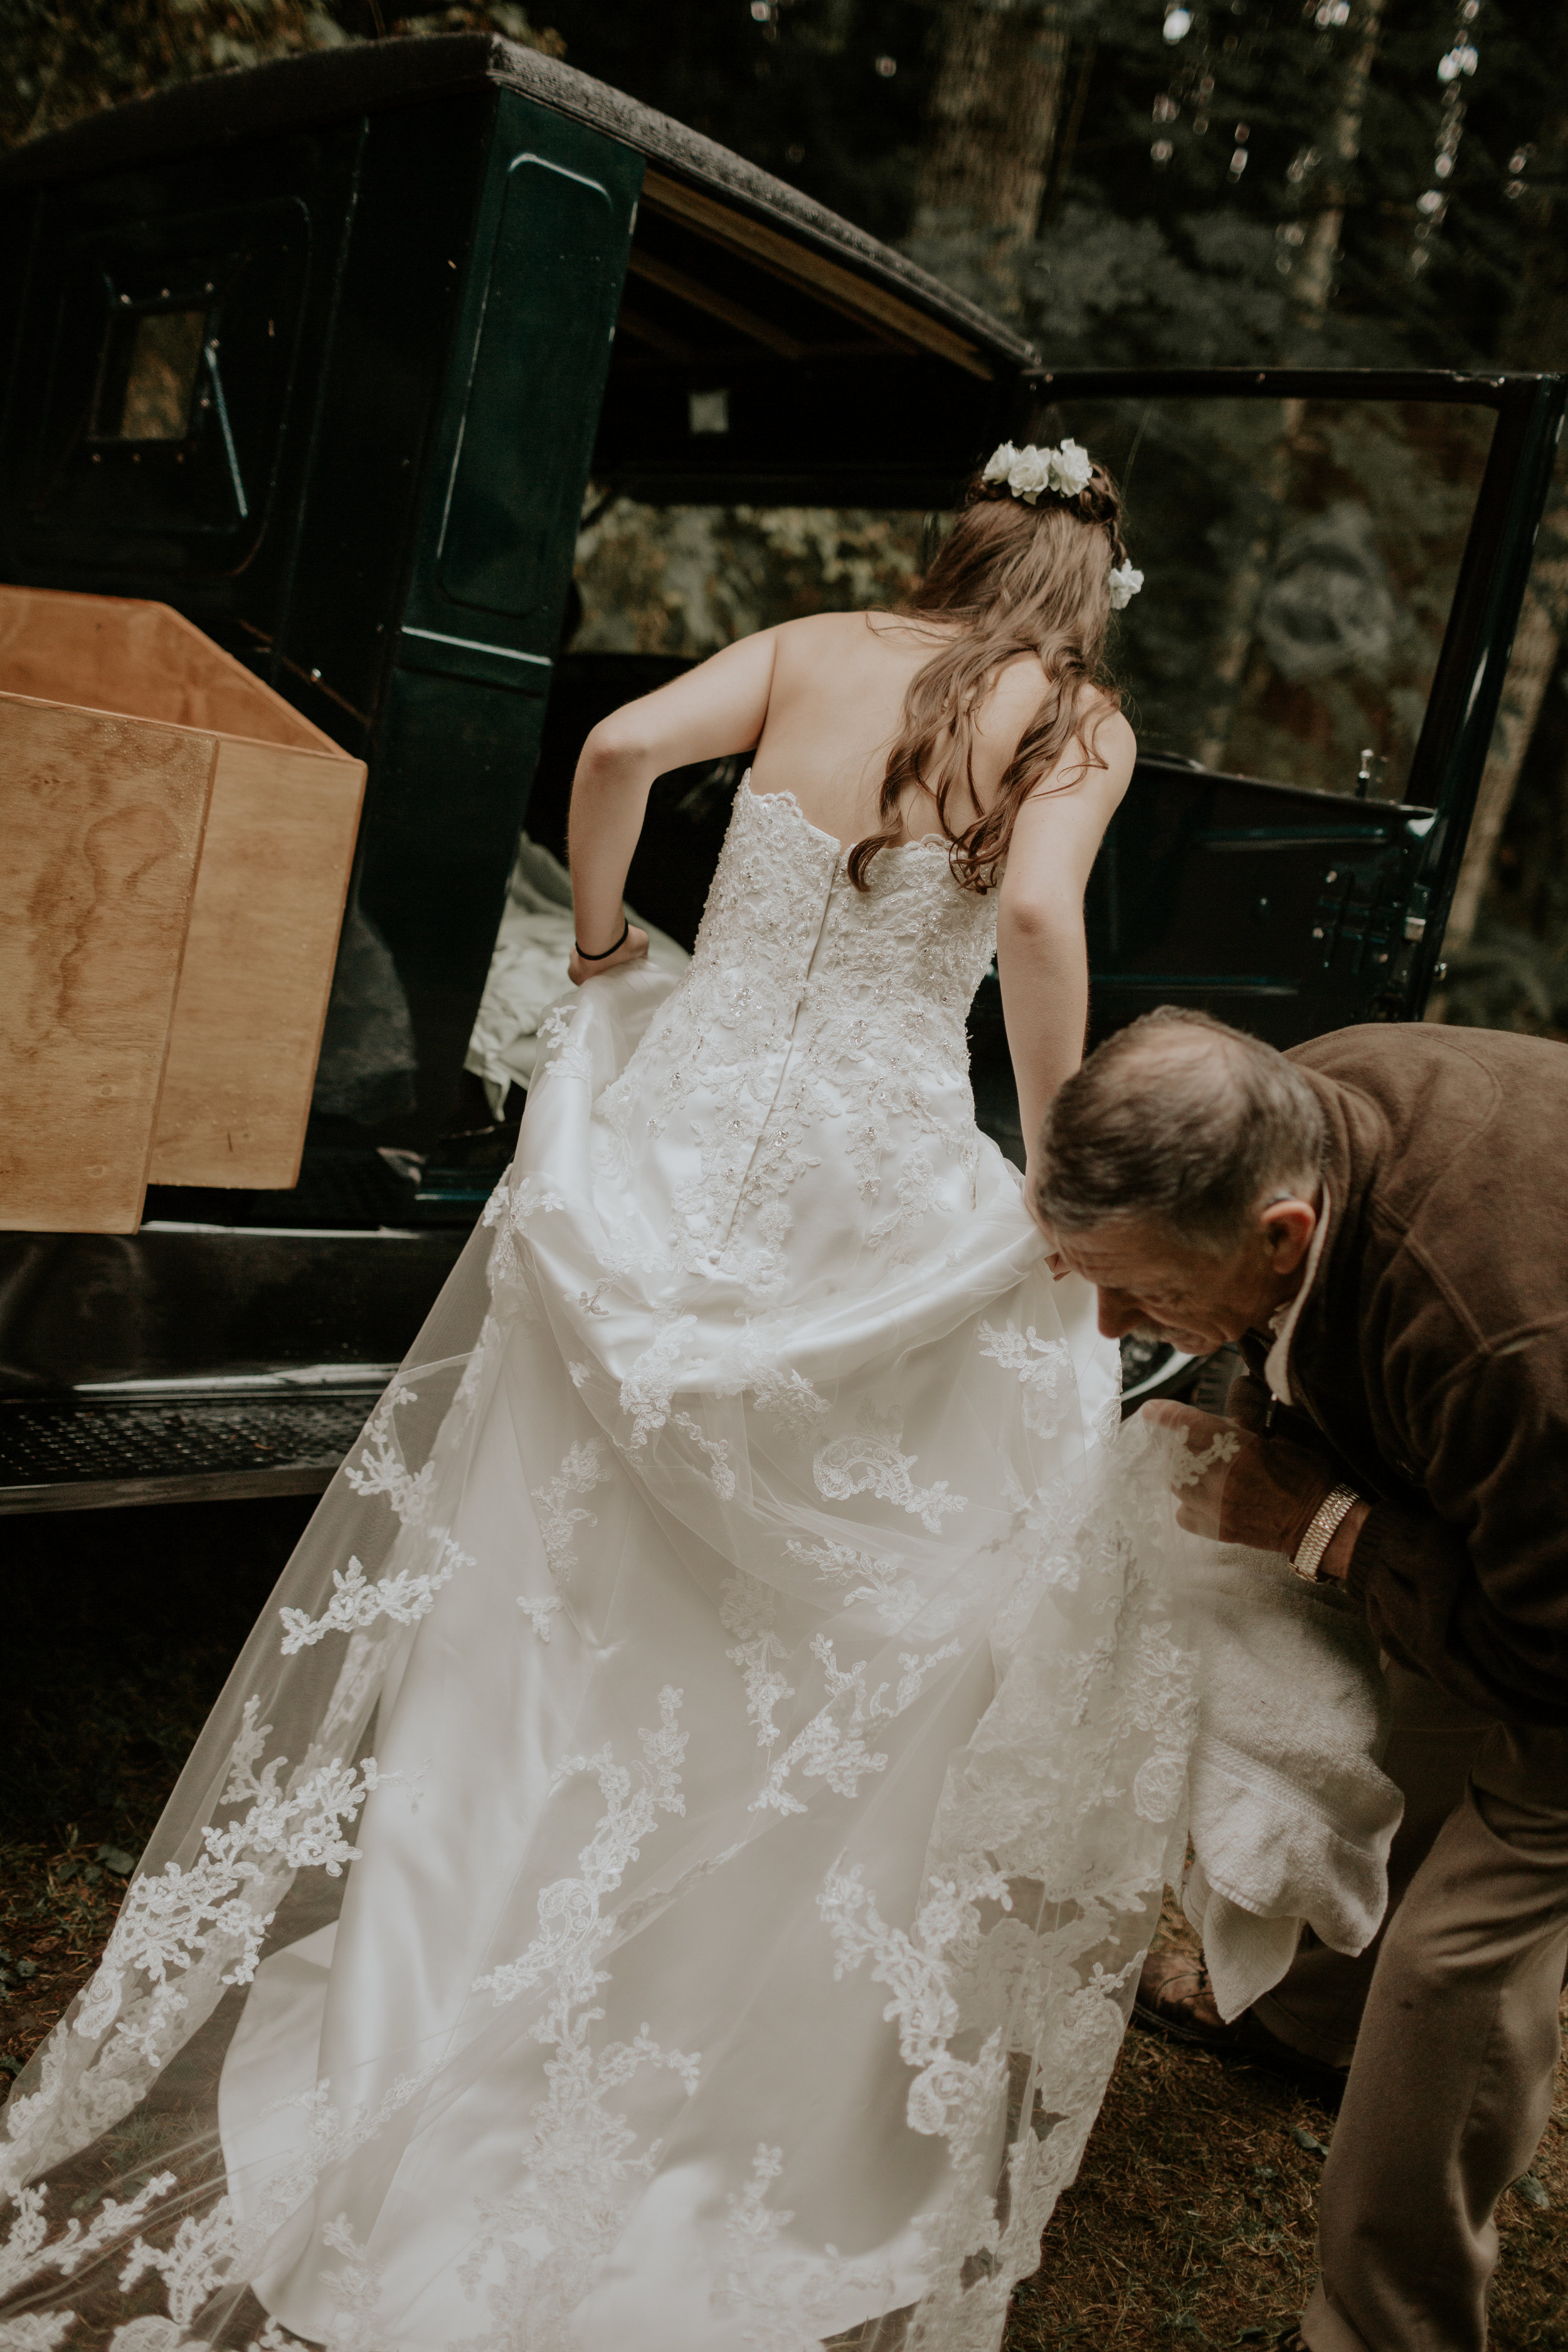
(1124, 583)
(1030, 473)
(1071, 469)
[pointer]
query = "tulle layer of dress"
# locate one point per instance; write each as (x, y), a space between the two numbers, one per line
(668, 1871)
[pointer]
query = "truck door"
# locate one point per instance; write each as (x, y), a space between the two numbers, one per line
(331, 391)
(1333, 566)
(479, 624)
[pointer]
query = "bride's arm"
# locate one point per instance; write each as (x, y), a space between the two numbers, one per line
(1041, 959)
(714, 709)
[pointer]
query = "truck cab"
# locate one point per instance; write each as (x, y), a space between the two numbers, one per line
(456, 399)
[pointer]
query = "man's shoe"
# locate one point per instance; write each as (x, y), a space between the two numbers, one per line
(1175, 1998)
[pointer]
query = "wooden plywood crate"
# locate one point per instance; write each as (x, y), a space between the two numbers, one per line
(178, 842)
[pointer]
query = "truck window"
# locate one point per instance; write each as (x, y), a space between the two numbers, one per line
(1299, 559)
(148, 377)
(164, 407)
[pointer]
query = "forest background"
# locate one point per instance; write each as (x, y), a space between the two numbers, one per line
(1351, 183)
(1126, 182)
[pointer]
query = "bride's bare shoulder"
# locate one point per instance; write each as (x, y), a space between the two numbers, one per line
(867, 636)
(1101, 728)
(1105, 726)
(1015, 699)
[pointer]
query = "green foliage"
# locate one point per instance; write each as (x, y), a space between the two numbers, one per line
(687, 579)
(59, 62)
(801, 87)
(1163, 251)
(1104, 290)
(1511, 978)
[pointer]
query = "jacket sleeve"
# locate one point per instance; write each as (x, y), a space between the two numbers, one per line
(1474, 1594)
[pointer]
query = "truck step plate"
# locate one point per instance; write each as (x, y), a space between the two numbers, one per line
(72, 1456)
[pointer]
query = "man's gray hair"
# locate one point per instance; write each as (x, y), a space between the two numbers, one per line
(1184, 1122)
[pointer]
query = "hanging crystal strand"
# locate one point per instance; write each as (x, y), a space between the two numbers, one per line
(1192, 81)
(1453, 68)
(1310, 246)
(1320, 248)
(1519, 163)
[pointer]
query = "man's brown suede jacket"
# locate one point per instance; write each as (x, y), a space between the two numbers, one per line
(1431, 1351)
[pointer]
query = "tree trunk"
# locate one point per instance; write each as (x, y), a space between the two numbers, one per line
(1311, 295)
(1529, 673)
(1342, 144)
(992, 118)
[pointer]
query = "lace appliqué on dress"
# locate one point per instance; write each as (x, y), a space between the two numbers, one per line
(1043, 1366)
(858, 1465)
(559, 1519)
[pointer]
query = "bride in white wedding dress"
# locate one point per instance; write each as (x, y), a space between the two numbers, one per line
(668, 1871)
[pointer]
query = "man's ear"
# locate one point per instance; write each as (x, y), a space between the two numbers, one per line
(1287, 1228)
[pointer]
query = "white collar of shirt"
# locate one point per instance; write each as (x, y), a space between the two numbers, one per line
(1283, 1321)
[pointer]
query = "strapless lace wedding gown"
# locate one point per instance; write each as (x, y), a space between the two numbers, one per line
(776, 1742)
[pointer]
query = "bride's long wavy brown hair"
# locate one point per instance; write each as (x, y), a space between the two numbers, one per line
(1018, 580)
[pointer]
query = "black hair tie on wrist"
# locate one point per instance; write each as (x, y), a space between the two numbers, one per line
(581, 951)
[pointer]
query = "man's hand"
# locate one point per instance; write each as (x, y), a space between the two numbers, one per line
(1199, 1500)
(1263, 1492)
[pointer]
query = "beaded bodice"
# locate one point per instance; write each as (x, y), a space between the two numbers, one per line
(811, 1006)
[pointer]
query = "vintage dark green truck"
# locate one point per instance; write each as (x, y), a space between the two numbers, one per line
(490, 399)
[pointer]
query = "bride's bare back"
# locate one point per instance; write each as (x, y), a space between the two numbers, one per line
(822, 700)
(834, 706)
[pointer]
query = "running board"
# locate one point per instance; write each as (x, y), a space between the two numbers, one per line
(228, 1441)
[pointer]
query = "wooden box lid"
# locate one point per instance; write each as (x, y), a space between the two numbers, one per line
(192, 1000)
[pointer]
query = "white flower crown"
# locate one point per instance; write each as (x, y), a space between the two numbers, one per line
(1067, 470)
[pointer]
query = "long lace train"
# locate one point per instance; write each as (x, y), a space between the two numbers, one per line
(669, 1868)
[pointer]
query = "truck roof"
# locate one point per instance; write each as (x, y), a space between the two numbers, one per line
(366, 76)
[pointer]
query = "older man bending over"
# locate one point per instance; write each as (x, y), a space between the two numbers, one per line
(1380, 1219)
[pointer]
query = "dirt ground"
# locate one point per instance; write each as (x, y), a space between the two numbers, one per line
(1191, 2221)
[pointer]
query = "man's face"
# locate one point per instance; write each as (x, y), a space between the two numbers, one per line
(1153, 1286)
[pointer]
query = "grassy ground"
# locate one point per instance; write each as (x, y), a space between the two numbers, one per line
(1190, 2225)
